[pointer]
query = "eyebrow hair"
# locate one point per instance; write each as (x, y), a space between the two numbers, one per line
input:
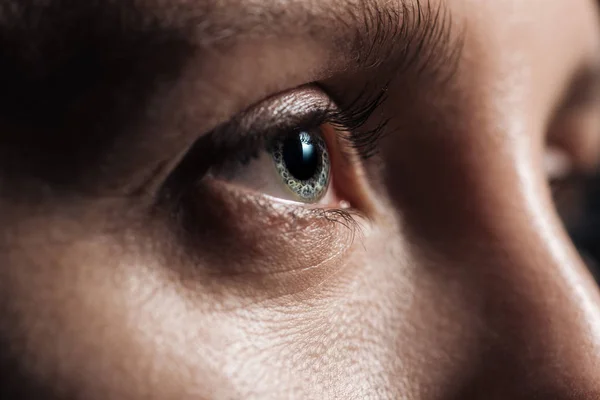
(38, 33)
(373, 32)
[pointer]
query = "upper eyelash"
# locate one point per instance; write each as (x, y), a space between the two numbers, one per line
(355, 116)
(349, 121)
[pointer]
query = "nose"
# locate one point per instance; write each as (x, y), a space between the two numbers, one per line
(540, 317)
(533, 306)
(542, 305)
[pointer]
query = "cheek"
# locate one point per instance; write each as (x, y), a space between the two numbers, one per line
(135, 314)
(93, 324)
(98, 322)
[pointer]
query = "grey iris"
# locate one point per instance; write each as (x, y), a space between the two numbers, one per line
(302, 161)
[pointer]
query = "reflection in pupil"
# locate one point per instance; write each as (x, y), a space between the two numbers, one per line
(301, 156)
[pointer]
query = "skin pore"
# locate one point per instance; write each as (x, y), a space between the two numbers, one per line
(147, 250)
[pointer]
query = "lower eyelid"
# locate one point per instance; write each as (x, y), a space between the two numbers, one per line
(251, 235)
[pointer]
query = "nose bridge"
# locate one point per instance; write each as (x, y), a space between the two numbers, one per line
(538, 331)
(535, 307)
(539, 310)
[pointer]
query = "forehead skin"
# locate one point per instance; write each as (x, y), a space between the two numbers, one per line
(464, 285)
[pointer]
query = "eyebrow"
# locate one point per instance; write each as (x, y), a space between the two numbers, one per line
(40, 34)
(368, 33)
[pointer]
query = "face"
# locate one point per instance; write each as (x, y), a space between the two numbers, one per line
(301, 199)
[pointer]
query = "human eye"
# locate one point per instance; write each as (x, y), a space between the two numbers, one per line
(291, 162)
(299, 148)
(293, 166)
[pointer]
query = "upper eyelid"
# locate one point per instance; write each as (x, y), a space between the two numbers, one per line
(296, 103)
(308, 107)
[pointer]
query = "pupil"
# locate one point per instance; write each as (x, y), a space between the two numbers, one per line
(301, 156)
